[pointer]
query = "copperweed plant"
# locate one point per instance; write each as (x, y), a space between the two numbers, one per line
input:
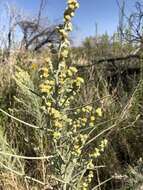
(60, 85)
(66, 133)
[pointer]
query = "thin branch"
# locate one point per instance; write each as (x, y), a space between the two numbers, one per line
(25, 157)
(101, 133)
(97, 125)
(79, 107)
(22, 175)
(102, 183)
(45, 41)
(23, 122)
(40, 11)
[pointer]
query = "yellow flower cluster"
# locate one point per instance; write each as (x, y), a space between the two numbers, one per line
(102, 146)
(77, 150)
(65, 76)
(79, 123)
(83, 138)
(48, 69)
(90, 165)
(48, 83)
(56, 121)
(55, 113)
(71, 71)
(48, 61)
(78, 142)
(96, 153)
(85, 183)
(85, 117)
(90, 176)
(79, 81)
(57, 124)
(66, 28)
(45, 72)
(85, 186)
(88, 179)
(69, 13)
(47, 86)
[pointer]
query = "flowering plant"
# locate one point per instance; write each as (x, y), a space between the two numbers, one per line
(59, 86)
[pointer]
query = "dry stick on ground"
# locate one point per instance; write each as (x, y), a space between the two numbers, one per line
(109, 60)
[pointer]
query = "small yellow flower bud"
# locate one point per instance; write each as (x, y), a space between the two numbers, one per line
(45, 88)
(63, 33)
(72, 14)
(69, 72)
(64, 53)
(56, 135)
(79, 81)
(77, 5)
(48, 104)
(92, 118)
(89, 108)
(45, 72)
(58, 124)
(72, 6)
(96, 153)
(73, 69)
(99, 112)
(90, 165)
(67, 18)
(48, 60)
(34, 66)
(55, 113)
(85, 184)
(83, 109)
(91, 124)
(84, 120)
